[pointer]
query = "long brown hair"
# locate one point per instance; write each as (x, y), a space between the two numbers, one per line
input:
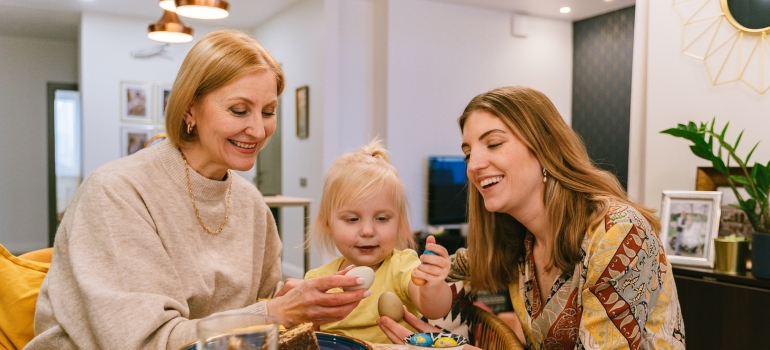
(577, 193)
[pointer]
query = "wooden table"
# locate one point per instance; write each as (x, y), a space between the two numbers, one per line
(280, 201)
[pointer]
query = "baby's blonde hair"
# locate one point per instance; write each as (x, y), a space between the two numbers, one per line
(353, 177)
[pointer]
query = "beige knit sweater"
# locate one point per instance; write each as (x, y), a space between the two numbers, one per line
(132, 268)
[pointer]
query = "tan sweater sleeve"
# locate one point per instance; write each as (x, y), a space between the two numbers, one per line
(110, 265)
(133, 269)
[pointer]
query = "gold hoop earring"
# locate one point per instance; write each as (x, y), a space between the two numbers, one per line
(189, 128)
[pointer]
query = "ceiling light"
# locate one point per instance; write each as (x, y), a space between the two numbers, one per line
(169, 29)
(167, 5)
(565, 10)
(202, 9)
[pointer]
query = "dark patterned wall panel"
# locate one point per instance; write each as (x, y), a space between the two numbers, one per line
(601, 87)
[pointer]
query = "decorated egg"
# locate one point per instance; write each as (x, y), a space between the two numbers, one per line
(390, 305)
(435, 340)
(421, 339)
(420, 281)
(429, 252)
(364, 272)
(444, 342)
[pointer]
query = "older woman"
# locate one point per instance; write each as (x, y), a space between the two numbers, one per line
(583, 263)
(168, 235)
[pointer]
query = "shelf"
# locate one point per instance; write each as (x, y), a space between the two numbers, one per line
(280, 201)
(746, 279)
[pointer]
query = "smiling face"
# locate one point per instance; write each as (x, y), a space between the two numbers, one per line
(233, 123)
(501, 167)
(365, 231)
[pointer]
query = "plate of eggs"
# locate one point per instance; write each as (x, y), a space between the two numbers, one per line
(435, 340)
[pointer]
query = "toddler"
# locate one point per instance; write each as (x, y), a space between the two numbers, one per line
(363, 215)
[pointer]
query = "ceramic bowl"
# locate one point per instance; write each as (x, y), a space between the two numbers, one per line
(423, 341)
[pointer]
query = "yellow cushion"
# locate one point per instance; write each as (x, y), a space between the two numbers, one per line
(42, 255)
(20, 280)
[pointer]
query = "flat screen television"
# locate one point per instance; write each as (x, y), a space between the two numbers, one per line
(447, 190)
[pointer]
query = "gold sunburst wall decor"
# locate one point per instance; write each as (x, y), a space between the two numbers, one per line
(731, 49)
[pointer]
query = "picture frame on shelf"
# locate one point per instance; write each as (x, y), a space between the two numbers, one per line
(162, 92)
(689, 224)
(303, 111)
(732, 221)
(135, 98)
(133, 138)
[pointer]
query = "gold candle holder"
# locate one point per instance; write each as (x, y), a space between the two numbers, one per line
(730, 256)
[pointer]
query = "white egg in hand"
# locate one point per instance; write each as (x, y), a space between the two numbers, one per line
(364, 272)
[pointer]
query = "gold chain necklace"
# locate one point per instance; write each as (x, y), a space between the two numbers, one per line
(192, 198)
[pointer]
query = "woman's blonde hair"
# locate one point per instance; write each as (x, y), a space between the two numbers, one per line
(577, 193)
(356, 176)
(217, 59)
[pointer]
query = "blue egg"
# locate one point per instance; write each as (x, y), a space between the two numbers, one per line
(422, 339)
(429, 252)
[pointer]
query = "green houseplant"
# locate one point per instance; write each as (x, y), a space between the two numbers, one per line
(710, 144)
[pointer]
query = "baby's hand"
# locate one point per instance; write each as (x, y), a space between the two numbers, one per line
(435, 264)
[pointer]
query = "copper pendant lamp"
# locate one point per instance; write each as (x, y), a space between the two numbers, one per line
(202, 9)
(168, 5)
(169, 29)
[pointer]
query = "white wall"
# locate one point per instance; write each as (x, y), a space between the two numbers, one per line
(106, 43)
(295, 38)
(381, 68)
(678, 90)
(373, 67)
(438, 62)
(26, 66)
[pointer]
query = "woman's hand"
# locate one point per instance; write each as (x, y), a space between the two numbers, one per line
(307, 301)
(396, 332)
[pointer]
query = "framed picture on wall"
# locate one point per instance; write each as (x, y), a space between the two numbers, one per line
(133, 138)
(689, 224)
(162, 91)
(135, 102)
(303, 111)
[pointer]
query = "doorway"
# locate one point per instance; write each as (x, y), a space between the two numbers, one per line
(268, 179)
(64, 151)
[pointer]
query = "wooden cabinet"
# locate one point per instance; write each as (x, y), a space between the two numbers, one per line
(723, 311)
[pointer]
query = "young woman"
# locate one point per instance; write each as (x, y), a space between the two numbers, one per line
(583, 263)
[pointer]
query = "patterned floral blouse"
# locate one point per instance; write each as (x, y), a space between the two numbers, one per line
(621, 295)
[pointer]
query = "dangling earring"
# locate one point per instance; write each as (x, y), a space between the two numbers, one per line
(545, 175)
(190, 127)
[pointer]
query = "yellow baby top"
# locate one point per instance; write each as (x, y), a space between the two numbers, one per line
(393, 275)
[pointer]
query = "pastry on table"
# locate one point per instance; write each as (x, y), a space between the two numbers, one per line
(299, 337)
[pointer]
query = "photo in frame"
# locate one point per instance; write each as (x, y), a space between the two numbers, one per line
(303, 111)
(135, 102)
(732, 221)
(689, 224)
(133, 138)
(162, 92)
